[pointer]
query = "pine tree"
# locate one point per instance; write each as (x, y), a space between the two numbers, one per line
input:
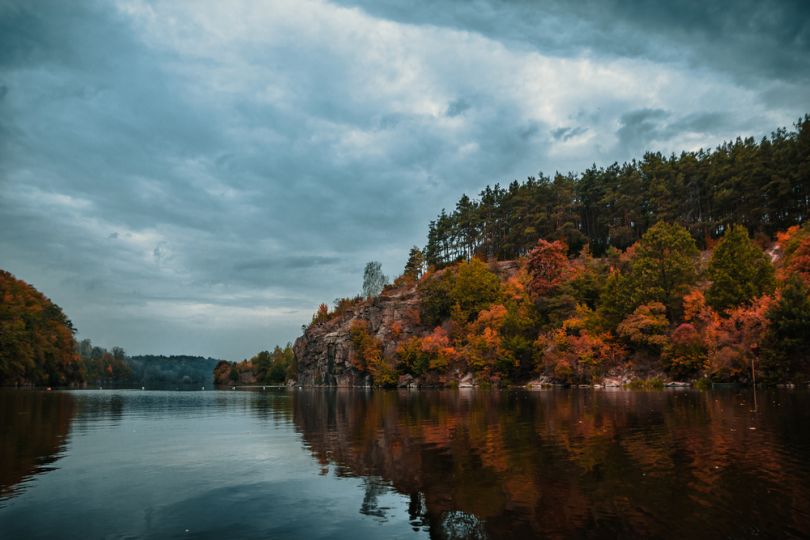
(788, 337)
(663, 267)
(739, 271)
(415, 264)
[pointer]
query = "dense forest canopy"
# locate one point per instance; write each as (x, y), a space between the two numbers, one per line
(36, 338)
(763, 185)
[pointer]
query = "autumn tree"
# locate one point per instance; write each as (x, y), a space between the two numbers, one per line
(322, 315)
(739, 270)
(735, 341)
(646, 329)
(798, 261)
(439, 350)
(547, 264)
(474, 289)
(368, 355)
(686, 353)
(573, 353)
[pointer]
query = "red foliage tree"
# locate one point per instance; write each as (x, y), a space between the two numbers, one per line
(547, 265)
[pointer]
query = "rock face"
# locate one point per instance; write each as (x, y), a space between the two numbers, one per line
(325, 353)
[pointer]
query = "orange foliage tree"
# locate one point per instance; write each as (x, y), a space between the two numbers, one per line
(734, 342)
(547, 264)
(368, 355)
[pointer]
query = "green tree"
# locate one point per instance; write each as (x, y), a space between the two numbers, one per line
(788, 338)
(475, 288)
(415, 264)
(663, 267)
(740, 271)
(435, 301)
(615, 301)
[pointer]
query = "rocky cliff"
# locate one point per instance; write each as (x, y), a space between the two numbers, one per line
(325, 354)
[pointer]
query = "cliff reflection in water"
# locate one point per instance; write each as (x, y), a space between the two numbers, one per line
(33, 430)
(568, 463)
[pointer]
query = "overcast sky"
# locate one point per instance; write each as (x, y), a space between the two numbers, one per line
(196, 177)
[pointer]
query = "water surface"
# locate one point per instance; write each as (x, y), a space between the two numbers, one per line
(404, 464)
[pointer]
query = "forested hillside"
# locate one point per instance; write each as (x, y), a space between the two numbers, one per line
(763, 185)
(692, 267)
(36, 338)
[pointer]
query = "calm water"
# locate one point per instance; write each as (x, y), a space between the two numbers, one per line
(355, 464)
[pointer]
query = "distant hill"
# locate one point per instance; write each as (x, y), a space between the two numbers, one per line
(152, 370)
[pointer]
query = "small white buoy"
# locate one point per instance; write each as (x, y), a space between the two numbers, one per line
(143, 388)
(203, 388)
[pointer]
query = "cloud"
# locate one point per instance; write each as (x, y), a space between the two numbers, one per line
(752, 40)
(199, 177)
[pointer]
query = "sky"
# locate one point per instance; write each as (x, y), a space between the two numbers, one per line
(196, 177)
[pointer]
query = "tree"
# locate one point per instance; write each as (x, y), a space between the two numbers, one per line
(368, 355)
(435, 301)
(739, 271)
(415, 264)
(798, 261)
(735, 341)
(646, 328)
(373, 279)
(322, 315)
(663, 267)
(547, 264)
(788, 340)
(474, 289)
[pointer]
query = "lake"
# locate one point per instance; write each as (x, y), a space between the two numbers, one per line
(404, 464)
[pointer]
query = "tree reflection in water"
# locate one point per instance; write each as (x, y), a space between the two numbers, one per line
(34, 427)
(568, 463)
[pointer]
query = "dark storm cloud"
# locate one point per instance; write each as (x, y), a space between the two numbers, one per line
(750, 38)
(197, 177)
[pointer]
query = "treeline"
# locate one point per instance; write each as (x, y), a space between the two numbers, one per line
(115, 367)
(763, 185)
(264, 368)
(159, 370)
